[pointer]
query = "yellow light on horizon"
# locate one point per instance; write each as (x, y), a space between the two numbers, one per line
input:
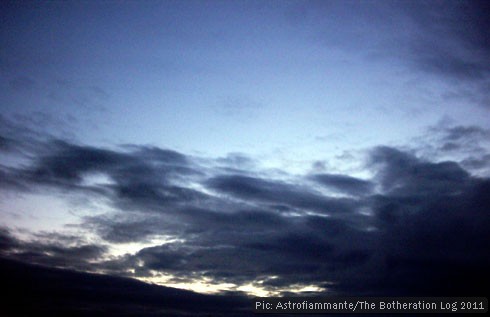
(206, 285)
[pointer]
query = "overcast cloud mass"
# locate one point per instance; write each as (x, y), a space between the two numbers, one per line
(176, 158)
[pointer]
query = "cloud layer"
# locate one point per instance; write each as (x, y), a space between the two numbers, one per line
(416, 227)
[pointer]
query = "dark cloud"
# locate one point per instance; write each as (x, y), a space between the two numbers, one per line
(7, 242)
(68, 162)
(482, 162)
(452, 41)
(450, 23)
(59, 255)
(471, 141)
(142, 178)
(255, 189)
(465, 133)
(344, 183)
(447, 40)
(130, 227)
(404, 174)
(407, 231)
(51, 249)
(467, 145)
(428, 242)
(415, 237)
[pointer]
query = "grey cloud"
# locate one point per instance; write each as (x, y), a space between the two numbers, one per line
(142, 178)
(343, 183)
(446, 40)
(440, 238)
(427, 222)
(452, 41)
(464, 23)
(308, 251)
(471, 141)
(7, 241)
(465, 133)
(51, 249)
(69, 162)
(57, 255)
(130, 227)
(404, 174)
(467, 144)
(477, 163)
(255, 189)
(420, 229)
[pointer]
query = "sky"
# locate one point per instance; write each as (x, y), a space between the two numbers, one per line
(248, 148)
